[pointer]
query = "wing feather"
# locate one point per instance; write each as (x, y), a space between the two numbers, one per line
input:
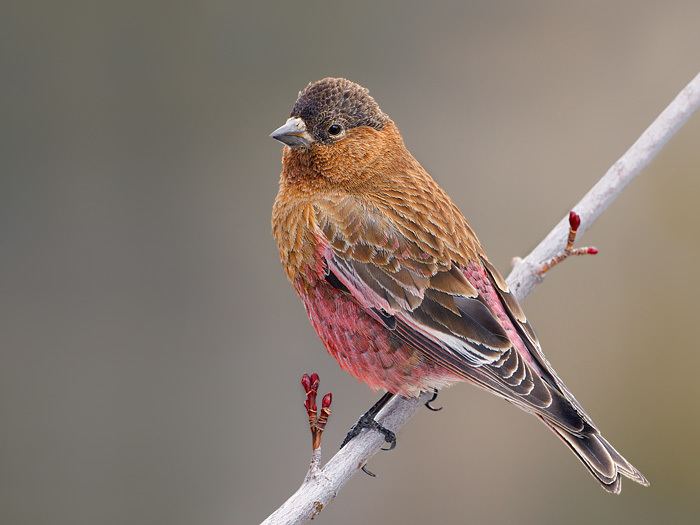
(401, 278)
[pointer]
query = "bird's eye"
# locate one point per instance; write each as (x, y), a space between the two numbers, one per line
(335, 129)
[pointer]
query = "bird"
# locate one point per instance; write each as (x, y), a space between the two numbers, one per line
(396, 283)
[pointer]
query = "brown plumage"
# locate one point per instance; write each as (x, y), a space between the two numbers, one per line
(394, 279)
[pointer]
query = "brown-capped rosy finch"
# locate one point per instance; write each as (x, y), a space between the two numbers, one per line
(395, 281)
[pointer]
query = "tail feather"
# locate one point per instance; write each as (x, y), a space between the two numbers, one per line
(604, 462)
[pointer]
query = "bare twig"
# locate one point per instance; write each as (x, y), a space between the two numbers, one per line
(524, 276)
(317, 422)
(569, 250)
(314, 494)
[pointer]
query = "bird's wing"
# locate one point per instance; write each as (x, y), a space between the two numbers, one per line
(527, 335)
(460, 316)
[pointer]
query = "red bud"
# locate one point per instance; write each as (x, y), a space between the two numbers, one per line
(592, 250)
(306, 382)
(327, 400)
(574, 220)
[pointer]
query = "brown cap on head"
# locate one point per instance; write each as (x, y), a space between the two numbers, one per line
(331, 106)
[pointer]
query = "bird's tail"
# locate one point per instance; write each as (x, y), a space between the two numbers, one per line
(600, 458)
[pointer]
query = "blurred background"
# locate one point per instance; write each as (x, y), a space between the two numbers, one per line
(150, 345)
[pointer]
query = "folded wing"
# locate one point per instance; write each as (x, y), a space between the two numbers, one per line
(458, 314)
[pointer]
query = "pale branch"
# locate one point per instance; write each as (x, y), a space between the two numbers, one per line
(317, 491)
(524, 276)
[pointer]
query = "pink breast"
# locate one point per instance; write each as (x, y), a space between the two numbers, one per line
(365, 348)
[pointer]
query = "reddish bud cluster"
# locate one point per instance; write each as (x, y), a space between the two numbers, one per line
(569, 250)
(316, 422)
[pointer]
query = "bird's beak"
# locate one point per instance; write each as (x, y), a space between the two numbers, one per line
(293, 133)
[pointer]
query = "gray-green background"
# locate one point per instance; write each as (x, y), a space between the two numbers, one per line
(150, 346)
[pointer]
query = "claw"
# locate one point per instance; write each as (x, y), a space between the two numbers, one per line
(389, 436)
(368, 472)
(431, 407)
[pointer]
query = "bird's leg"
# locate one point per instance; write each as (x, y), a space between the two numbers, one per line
(574, 223)
(317, 422)
(431, 407)
(368, 422)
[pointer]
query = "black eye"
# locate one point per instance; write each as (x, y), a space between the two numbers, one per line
(335, 129)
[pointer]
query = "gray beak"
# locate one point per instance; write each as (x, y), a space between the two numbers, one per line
(293, 133)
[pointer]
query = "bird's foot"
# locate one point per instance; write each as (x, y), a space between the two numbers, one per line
(429, 401)
(569, 250)
(367, 422)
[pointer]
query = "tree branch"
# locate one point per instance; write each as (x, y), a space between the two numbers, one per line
(317, 492)
(524, 276)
